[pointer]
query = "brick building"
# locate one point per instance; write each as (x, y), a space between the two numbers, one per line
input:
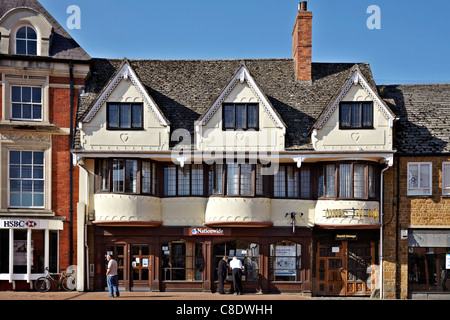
(172, 169)
(42, 70)
(417, 208)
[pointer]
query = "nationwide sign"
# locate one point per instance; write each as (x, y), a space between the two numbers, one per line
(19, 224)
(205, 232)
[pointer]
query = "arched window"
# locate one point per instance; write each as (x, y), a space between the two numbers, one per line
(26, 41)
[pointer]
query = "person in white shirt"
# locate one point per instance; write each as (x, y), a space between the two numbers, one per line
(111, 276)
(236, 269)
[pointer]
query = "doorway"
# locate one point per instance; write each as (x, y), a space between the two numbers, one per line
(133, 264)
(140, 267)
(118, 254)
(345, 268)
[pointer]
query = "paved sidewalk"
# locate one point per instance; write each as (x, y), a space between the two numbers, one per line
(62, 295)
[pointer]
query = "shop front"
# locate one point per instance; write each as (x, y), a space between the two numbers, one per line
(346, 262)
(186, 259)
(27, 247)
(428, 263)
(346, 242)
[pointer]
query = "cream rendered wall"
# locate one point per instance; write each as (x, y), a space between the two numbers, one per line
(331, 138)
(269, 138)
(95, 136)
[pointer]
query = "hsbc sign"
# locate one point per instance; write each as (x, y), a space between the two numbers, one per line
(19, 224)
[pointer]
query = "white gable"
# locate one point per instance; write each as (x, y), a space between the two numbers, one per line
(242, 76)
(126, 73)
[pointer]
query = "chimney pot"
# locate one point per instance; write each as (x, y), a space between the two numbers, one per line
(303, 6)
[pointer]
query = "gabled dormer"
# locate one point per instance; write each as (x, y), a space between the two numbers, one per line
(356, 119)
(124, 117)
(241, 119)
(24, 31)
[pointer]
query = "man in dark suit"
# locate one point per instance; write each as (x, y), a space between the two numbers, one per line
(222, 273)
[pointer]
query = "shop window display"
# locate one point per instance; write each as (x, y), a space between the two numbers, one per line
(182, 261)
(427, 269)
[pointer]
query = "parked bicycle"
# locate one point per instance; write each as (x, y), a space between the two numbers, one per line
(65, 281)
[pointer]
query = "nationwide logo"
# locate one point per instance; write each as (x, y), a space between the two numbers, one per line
(206, 231)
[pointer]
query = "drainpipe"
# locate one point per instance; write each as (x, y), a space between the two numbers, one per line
(71, 162)
(86, 247)
(382, 228)
(397, 227)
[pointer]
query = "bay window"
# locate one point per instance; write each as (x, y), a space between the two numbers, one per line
(126, 176)
(183, 181)
(348, 180)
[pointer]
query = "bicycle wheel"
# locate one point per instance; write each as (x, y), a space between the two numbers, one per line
(69, 283)
(42, 284)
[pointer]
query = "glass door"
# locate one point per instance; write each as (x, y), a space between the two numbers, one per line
(140, 267)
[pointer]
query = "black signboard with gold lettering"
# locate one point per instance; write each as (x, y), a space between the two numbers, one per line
(346, 236)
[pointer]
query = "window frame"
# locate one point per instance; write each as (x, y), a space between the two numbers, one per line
(177, 185)
(32, 179)
(22, 103)
(337, 181)
(36, 41)
(361, 113)
(108, 181)
(119, 106)
(234, 127)
(445, 184)
(419, 191)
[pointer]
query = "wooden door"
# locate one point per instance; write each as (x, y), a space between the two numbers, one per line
(331, 273)
(140, 268)
(118, 252)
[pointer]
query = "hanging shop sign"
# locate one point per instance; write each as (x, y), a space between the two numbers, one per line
(206, 232)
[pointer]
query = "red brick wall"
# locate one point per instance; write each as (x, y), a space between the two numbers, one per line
(302, 45)
(59, 114)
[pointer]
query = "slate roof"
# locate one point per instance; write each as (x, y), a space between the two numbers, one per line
(62, 44)
(185, 89)
(424, 117)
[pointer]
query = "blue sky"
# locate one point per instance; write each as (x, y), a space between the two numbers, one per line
(412, 46)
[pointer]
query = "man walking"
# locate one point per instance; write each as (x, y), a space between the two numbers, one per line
(222, 272)
(236, 269)
(111, 277)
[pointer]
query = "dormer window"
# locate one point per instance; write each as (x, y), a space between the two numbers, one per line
(240, 116)
(26, 41)
(356, 115)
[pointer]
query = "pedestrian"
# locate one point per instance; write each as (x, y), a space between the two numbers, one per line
(111, 276)
(222, 273)
(236, 269)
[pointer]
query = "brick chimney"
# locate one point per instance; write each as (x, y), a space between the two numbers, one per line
(301, 43)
